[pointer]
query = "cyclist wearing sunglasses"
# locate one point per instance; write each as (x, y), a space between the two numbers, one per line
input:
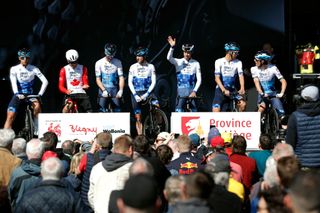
(73, 81)
(264, 75)
(109, 78)
(141, 80)
(22, 78)
(188, 74)
(226, 71)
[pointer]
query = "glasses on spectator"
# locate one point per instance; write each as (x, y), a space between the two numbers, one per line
(160, 139)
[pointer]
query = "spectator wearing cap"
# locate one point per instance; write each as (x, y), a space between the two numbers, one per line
(133, 199)
(221, 200)
(198, 149)
(162, 138)
(303, 131)
(261, 156)
(227, 137)
(110, 174)
(213, 132)
(186, 163)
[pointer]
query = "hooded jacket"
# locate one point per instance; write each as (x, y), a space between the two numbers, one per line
(108, 175)
(303, 134)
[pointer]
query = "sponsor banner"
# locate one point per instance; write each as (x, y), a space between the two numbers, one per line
(246, 124)
(84, 126)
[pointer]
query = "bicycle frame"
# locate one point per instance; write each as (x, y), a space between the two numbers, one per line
(188, 102)
(271, 120)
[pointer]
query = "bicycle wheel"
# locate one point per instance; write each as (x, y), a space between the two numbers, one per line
(273, 127)
(158, 123)
(28, 130)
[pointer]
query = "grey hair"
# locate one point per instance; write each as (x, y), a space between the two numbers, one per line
(221, 178)
(173, 188)
(270, 175)
(282, 150)
(6, 137)
(141, 166)
(19, 147)
(35, 149)
(51, 169)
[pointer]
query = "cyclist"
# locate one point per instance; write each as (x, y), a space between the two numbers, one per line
(188, 74)
(141, 80)
(226, 70)
(73, 80)
(109, 78)
(22, 78)
(263, 75)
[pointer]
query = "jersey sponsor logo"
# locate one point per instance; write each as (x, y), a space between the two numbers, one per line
(75, 82)
(187, 168)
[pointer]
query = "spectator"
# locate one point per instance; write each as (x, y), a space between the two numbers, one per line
(165, 154)
(8, 162)
(198, 149)
(100, 148)
(173, 144)
(303, 128)
(271, 200)
(133, 199)
(139, 166)
(195, 192)
(50, 195)
(303, 194)
(227, 137)
(261, 156)
(213, 132)
(248, 165)
(110, 174)
(50, 140)
(173, 190)
(186, 163)
(19, 148)
(221, 200)
(162, 138)
(26, 176)
(74, 176)
(287, 168)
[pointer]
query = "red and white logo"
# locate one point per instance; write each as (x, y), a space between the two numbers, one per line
(189, 124)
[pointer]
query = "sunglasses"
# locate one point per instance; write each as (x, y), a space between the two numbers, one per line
(160, 140)
(24, 58)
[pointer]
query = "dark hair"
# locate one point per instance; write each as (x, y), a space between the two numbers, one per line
(199, 185)
(287, 168)
(274, 199)
(141, 145)
(266, 142)
(68, 147)
(50, 140)
(239, 144)
(165, 153)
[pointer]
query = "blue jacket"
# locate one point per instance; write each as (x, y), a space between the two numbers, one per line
(23, 178)
(303, 134)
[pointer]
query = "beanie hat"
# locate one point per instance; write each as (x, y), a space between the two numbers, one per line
(310, 93)
(220, 163)
(217, 141)
(136, 197)
(213, 133)
(195, 139)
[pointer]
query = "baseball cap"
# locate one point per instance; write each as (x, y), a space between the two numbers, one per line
(227, 137)
(136, 197)
(217, 141)
(220, 163)
(195, 139)
(165, 137)
(213, 132)
(310, 93)
(48, 154)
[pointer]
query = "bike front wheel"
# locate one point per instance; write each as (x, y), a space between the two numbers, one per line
(273, 121)
(155, 123)
(28, 131)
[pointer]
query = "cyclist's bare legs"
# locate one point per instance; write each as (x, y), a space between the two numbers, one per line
(261, 107)
(9, 121)
(36, 110)
(138, 124)
(241, 105)
(67, 106)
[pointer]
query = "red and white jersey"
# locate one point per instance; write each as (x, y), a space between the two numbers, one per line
(73, 79)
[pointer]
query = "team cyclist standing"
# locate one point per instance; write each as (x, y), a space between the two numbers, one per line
(74, 83)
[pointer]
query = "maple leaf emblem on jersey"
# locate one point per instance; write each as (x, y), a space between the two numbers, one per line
(75, 82)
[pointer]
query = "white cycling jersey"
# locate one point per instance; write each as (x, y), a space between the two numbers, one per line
(267, 77)
(74, 78)
(188, 72)
(22, 79)
(109, 72)
(141, 77)
(228, 71)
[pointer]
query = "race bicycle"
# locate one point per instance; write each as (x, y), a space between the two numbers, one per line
(155, 121)
(188, 102)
